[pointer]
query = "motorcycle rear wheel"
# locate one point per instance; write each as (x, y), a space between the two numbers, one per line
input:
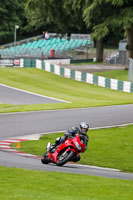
(70, 154)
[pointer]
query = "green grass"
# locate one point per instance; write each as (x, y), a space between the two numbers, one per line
(88, 63)
(45, 83)
(2, 106)
(116, 74)
(20, 184)
(111, 147)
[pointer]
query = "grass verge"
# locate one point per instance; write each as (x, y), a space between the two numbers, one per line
(20, 184)
(106, 148)
(116, 74)
(45, 83)
(3, 106)
(88, 63)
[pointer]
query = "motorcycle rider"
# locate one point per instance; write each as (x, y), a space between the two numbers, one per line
(82, 131)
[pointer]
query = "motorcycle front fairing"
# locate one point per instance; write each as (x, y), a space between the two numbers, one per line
(80, 146)
(68, 145)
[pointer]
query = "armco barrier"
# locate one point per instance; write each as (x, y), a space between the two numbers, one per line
(114, 84)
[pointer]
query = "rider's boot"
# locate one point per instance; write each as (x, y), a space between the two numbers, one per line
(48, 146)
(58, 141)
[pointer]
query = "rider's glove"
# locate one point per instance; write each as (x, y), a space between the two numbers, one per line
(66, 135)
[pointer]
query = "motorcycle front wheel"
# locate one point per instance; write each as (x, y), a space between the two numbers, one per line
(65, 157)
(44, 159)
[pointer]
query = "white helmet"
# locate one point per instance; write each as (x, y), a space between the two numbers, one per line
(83, 127)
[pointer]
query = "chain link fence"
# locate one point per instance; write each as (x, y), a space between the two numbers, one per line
(116, 57)
(119, 56)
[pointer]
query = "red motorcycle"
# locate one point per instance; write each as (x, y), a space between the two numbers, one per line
(65, 152)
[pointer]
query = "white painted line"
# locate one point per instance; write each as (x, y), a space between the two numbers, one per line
(37, 136)
(11, 150)
(113, 126)
(8, 149)
(5, 146)
(95, 167)
(10, 141)
(63, 101)
(22, 154)
(58, 110)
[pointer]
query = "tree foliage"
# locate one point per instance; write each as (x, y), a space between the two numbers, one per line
(11, 13)
(107, 15)
(57, 16)
(125, 18)
(100, 17)
(124, 12)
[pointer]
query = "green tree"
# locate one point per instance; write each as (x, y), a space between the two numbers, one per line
(104, 16)
(98, 16)
(54, 15)
(11, 13)
(125, 18)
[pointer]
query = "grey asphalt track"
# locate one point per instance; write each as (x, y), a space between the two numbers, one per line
(14, 96)
(10, 160)
(19, 124)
